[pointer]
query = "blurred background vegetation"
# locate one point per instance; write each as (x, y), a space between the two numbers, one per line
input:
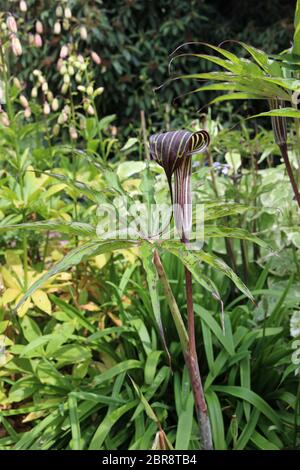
(134, 39)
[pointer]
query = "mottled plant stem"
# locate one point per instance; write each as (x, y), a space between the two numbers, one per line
(194, 371)
(188, 344)
(285, 156)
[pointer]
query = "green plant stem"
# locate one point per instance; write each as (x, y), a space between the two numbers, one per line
(188, 344)
(285, 156)
(25, 256)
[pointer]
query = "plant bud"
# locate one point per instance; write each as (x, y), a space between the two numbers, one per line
(24, 101)
(23, 6)
(71, 70)
(45, 87)
(82, 124)
(63, 70)
(36, 72)
(17, 83)
(80, 58)
(90, 110)
(78, 77)
(90, 90)
(64, 88)
(83, 33)
(50, 96)
(55, 104)
(62, 118)
(96, 58)
(73, 133)
(59, 11)
(81, 88)
(66, 24)
(68, 13)
(11, 24)
(16, 46)
(64, 52)
(39, 28)
(67, 109)
(46, 108)
(27, 113)
(57, 28)
(38, 42)
(30, 39)
(4, 119)
(98, 91)
(34, 92)
(66, 78)
(59, 64)
(114, 131)
(56, 129)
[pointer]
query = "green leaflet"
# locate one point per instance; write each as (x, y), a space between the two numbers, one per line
(152, 279)
(192, 260)
(74, 257)
(73, 228)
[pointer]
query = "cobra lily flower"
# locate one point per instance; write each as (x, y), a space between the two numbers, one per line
(173, 151)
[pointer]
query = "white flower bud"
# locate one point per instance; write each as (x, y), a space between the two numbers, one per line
(17, 83)
(63, 70)
(45, 87)
(62, 118)
(71, 70)
(90, 110)
(24, 101)
(90, 90)
(39, 28)
(27, 113)
(34, 92)
(16, 46)
(57, 28)
(68, 13)
(46, 108)
(73, 133)
(38, 42)
(55, 104)
(66, 78)
(11, 24)
(83, 33)
(4, 119)
(96, 58)
(98, 91)
(78, 77)
(64, 52)
(59, 11)
(23, 6)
